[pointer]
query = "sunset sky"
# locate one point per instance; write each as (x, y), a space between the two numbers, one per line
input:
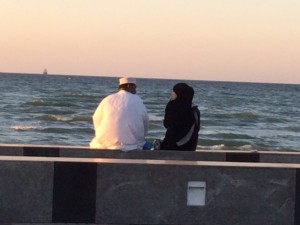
(226, 40)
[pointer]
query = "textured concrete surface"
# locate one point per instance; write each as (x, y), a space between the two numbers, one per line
(56, 190)
(158, 195)
(26, 191)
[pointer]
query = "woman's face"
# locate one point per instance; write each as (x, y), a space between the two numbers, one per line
(173, 96)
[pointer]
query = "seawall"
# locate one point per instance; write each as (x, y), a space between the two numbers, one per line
(201, 155)
(75, 185)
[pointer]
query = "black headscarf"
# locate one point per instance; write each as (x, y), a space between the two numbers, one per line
(178, 115)
(185, 95)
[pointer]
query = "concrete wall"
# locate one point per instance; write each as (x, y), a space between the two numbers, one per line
(45, 190)
(203, 155)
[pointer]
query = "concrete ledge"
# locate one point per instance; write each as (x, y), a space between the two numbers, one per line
(202, 155)
(56, 190)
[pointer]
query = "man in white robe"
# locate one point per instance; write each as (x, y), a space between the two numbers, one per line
(121, 119)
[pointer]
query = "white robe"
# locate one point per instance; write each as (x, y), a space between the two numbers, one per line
(120, 122)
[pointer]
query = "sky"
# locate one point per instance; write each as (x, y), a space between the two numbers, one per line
(219, 40)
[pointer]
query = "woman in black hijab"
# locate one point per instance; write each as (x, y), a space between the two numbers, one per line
(182, 120)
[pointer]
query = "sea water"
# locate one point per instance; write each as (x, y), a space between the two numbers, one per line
(58, 109)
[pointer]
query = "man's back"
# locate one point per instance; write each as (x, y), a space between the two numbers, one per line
(120, 122)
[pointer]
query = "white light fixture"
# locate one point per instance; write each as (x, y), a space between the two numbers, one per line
(196, 193)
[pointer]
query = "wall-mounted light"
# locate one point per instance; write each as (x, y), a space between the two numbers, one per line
(196, 193)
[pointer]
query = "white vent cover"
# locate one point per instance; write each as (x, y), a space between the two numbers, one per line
(196, 193)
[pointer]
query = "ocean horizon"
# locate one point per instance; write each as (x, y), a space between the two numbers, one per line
(57, 110)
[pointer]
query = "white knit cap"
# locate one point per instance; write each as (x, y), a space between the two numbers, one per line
(127, 80)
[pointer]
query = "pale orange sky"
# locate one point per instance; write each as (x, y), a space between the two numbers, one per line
(232, 40)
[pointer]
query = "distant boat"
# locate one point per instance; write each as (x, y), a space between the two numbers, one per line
(45, 72)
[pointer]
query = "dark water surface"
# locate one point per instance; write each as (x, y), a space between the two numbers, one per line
(57, 110)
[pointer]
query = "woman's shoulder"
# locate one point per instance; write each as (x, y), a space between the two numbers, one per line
(173, 104)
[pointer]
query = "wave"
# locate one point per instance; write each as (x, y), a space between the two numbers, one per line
(226, 143)
(225, 136)
(41, 102)
(83, 118)
(217, 118)
(56, 130)
(277, 120)
(65, 104)
(224, 147)
(51, 118)
(61, 130)
(295, 129)
(23, 127)
(37, 102)
(77, 118)
(245, 115)
(79, 95)
(156, 118)
(234, 136)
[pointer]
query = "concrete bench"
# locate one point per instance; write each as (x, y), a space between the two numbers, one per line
(202, 155)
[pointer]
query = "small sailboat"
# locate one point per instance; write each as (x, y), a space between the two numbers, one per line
(45, 72)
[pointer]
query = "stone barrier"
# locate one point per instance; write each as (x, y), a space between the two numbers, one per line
(65, 190)
(201, 155)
